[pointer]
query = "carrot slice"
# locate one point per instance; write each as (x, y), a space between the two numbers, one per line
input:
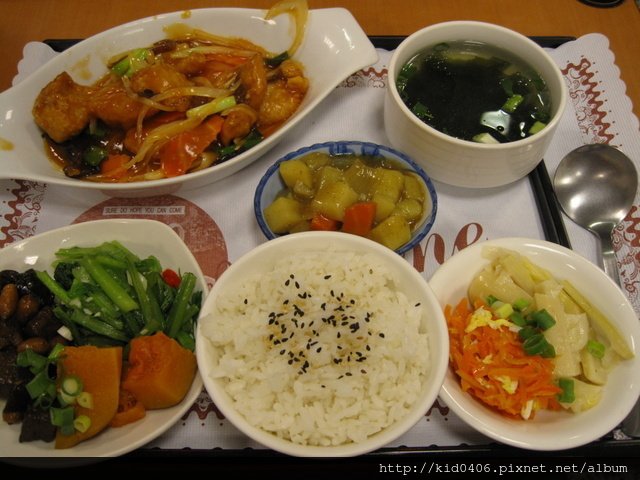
(320, 222)
(359, 218)
(493, 367)
(179, 153)
(112, 165)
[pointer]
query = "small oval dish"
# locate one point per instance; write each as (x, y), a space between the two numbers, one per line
(272, 185)
(548, 430)
(334, 47)
(287, 375)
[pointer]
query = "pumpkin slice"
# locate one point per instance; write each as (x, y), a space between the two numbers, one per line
(160, 371)
(100, 370)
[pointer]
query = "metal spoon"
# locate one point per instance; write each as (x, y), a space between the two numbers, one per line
(596, 186)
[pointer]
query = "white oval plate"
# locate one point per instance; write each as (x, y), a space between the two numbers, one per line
(38, 252)
(549, 430)
(333, 48)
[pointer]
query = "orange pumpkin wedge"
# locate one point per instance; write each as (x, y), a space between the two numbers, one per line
(100, 370)
(160, 371)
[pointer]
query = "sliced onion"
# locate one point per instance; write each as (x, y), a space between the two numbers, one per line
(299, 11)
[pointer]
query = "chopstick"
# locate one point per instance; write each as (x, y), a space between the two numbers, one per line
(550, 213)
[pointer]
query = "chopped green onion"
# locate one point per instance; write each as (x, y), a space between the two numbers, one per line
(527, 332)
(61, 417)
(422, 111)
(94, 155)
(521, 304)
(512, 103)
(567, 395)
(538, 345)
(34, 361)
(543, 319)
(517, 319)
(130, 64)
(485, 137)
(536, 127)
(65, 399)
(277, 60)
(85, 399)
(40, 385)
(595, 348)
(71, 385)
(214, 106)
(491, 300)
(502, 311)
(81, 423)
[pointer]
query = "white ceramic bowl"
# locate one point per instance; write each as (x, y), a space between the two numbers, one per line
(548, 430)
(409, 281)
(271, 184)
(334, 47)
(38, 252)
(460, 162)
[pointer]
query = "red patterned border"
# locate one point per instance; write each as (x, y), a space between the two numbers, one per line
(24, 210)
(591, 114)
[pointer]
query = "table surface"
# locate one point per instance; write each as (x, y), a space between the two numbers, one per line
(28, 20)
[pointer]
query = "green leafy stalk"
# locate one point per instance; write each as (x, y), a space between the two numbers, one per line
(116, 292)
(148, 304)
(178, 312)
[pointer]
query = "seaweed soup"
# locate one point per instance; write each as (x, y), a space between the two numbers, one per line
(474, 91)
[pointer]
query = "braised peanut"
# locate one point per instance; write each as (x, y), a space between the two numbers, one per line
(8, 301)
(37, 344)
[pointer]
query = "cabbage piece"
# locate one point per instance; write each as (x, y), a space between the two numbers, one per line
(568, 336)
(587, 396)
(497, 282)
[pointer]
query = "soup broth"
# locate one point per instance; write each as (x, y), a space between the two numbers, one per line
(474, 91)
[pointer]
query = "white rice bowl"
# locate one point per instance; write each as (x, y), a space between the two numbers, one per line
(334, 348)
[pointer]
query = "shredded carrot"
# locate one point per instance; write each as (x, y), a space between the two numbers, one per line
(484, 357)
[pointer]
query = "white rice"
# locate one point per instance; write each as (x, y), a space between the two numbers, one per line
(330, 383)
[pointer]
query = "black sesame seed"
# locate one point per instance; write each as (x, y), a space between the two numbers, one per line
(327, 277)
(381, 335)
(246, 301)
(318, 349)
(348, 374)
(282, 352)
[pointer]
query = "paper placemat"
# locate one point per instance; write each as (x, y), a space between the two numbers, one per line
(218, 223)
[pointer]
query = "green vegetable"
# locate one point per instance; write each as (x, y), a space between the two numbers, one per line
(273, 62)
(517, 318)
(595, 348)
(110, 295)
(148, 305)
(504, 310)
(94, 155)
(176, 316)
(81, 423)
(538, 345)
(133, 62)
(567, 395)
(521, 304)
(536, 127)
(543, 319)
(111, 288)
(512, 103)
(71, 385)
(214, 106)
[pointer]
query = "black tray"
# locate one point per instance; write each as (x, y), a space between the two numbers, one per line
(607, 453)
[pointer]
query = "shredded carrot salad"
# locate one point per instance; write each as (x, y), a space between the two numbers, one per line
(493, 367)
